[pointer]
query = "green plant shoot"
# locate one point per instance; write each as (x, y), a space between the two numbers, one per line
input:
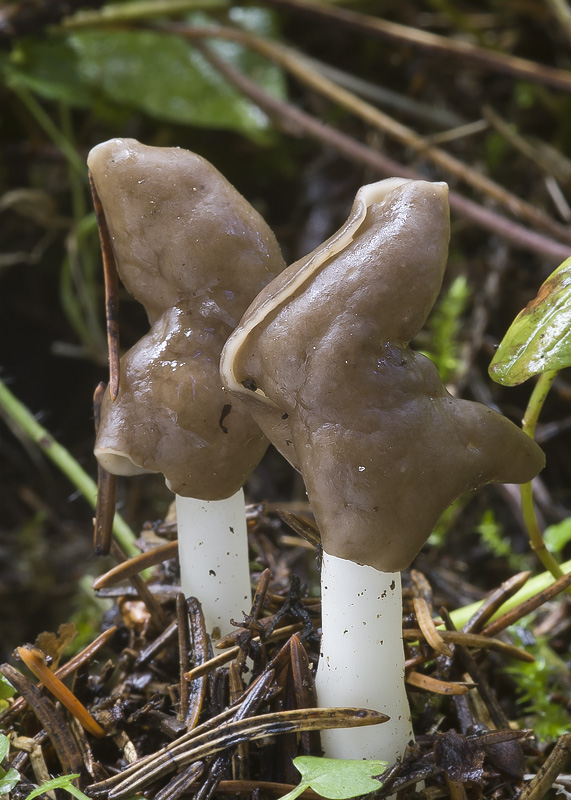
(539, 339)
(8, 777)
(538, 342)
(337, 779)
(539, 684)
(62, 782)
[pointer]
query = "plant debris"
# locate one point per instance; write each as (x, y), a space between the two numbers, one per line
(176, 713)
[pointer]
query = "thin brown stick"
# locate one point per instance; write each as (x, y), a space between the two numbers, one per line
(266, 787)
(181, 783)
(260, 594)
(503, 622)
(429, 684)
(231, 652)
(157, 645)
(50, 718)
(489, 698)
(153, 606)
(475, 641)
(247, 709)
(106, 490)
(304, 690)
(134, 566)
(422, 604)
(183, 654)
(296, 122)
(197, 692)
(538, 787)
(111, 279)
(459, 49)
(303, 69)
(495, 600)
(240, 759)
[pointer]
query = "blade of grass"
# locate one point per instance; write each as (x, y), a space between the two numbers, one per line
(17, 413)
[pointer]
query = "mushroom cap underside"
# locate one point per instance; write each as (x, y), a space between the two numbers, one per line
(171, 415)
(378, 494)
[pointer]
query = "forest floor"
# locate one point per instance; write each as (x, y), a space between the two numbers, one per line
(485, 106)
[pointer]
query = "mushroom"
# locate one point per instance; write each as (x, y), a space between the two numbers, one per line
(322, 361)
(194, 252)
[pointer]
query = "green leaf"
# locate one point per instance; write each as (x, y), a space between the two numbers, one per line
(48, 68)
(558, 535)
(9, 780)
(62, 782)
(166, 78)
(337, 779)
(6, 688)
(4, 746)
(539, 339)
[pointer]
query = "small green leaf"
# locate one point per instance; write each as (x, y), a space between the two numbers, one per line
(337, 779)
(62, 782)
(558, 535)
(4, 746)
(539, 339)
(9, 780)
(6, 688)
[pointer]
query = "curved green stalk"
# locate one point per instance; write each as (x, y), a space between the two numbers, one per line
(536, 401)
(16, 412)
(554, 570)
(51, 129)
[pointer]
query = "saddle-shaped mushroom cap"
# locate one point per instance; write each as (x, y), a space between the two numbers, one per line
(194, 252)
(322, 360)
(181, 231)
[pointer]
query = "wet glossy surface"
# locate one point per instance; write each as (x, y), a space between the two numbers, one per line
(193, 251)
(539, 338)
(321, 359)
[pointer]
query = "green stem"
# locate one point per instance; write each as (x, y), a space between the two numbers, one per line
(44, 121)
(533, 410)
(534, 585)
(19, 414)
(536, 401)
(554, 570)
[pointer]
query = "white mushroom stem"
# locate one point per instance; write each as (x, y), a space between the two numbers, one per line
(361, 661)
(213, 553)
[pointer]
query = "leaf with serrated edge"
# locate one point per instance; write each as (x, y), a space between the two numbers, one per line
(539, 339)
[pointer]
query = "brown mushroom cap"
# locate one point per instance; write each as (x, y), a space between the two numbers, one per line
(171, 415)
(322, 361)
(191, 249)
(180, 231)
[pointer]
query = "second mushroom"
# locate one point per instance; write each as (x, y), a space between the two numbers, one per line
(322, 361)
(194, 252)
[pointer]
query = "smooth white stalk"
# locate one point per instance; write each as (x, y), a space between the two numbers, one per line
(362, 658)
(213, 554)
